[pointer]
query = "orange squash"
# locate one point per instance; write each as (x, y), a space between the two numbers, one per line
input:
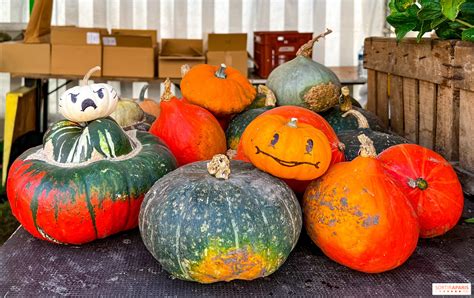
(359, 217)
(220, 89)
(430, 183)
(285, 148)
(191, 132)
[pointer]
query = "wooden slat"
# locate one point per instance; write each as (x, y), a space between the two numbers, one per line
(463, 68)
(427, 118)
(372, 91)
(410, 107)
(396, 105)
(382, 97)
(466, 130)
(447, 123)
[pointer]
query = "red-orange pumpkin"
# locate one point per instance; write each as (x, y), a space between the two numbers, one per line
(192, 133)
(358, 216)
(430, 184)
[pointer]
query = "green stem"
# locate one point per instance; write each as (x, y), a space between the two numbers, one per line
(464, 23)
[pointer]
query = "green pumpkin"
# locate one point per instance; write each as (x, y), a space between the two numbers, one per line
(129, 115)
(238, 124)
(305, 82)
(205, 229)
(351, 142)
(334, 117)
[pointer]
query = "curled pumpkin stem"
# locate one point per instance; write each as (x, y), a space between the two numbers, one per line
(88, 75)
(367, 148)
(270, 99)
(361, 120)
(141, 97)
(345, 103)
(219, 166)
(167, 95)
(306, 50)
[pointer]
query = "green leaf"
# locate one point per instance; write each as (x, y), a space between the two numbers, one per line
(425, 27)
(402, 22)
(467, 8)
(450, 8)
(469, 220)
(392, 6)
(403, 5)
(445, 32)
(468, 35)
(436, 22)
(430, 11)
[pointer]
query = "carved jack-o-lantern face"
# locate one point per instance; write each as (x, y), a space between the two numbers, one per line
(285, 148)
(88, 102)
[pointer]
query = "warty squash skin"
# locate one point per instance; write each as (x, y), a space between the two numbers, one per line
(359, 217)
(207, 230)
(430, 184)
(191, 132)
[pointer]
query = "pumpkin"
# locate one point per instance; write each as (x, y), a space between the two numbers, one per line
(87, 181)
(430, 184)
(381, 140)
(304, 82)
(88, 102)
(238, 124)
(263, 97)
(211, 223)
(220, 89)
(358, 216)
(191, 132)
(129, 115)
(285, 148)
(148, 105)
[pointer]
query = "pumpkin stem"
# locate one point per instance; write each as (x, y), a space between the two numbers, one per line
(306, 50)
(219, 166)
(270, 99)
(367, 148)
(293, 122)
(220, 73)
(167, 95)
(421, 183)
(88, 74)
(361, 120)
(141, 97)
(345, 103)
(185, 68)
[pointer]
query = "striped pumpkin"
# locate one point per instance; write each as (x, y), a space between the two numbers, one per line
(204, 229)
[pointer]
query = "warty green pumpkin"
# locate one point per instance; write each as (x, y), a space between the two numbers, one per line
(305, 82)
(206, 222)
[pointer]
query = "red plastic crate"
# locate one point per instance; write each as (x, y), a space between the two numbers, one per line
(272, 48)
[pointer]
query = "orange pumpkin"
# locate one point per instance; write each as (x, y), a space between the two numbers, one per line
(148, 105)
(220, 89)
(285, 148)
(430, 183)
(359, 217)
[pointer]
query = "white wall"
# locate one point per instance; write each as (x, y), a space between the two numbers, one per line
(350, 20)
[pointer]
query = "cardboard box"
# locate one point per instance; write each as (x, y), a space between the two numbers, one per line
(176, 52)
(230, 49)
(75, 50)
(129, 54)
(21, 58)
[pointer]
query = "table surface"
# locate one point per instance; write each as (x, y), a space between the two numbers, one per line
(346, 74)
(120, 265)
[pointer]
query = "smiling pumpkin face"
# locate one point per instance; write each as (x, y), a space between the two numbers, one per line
(285, 148)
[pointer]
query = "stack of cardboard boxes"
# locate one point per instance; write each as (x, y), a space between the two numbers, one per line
(72, 51)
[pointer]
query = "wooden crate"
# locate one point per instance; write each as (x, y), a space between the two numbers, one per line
(425, 92)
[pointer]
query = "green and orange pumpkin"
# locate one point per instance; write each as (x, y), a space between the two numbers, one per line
(88, 179)
(204, 229)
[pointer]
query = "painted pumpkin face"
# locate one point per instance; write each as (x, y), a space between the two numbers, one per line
(88, 102)
(285, 148)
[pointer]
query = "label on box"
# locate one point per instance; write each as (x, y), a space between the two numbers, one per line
(109, 41)
(286, 49)
(93, 38)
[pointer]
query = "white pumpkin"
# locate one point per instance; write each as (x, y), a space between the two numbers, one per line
(88, 102)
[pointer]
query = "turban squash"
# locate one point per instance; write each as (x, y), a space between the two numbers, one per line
(87, 181)
(220, 89)
(359, 217)
(430, 184)
(204, 229)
